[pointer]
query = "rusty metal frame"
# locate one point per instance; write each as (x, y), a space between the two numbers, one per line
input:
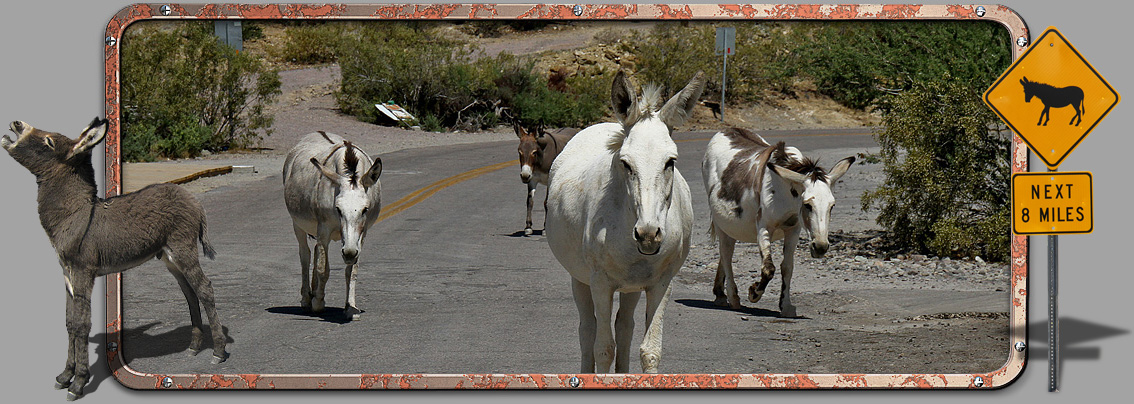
(1012, 368)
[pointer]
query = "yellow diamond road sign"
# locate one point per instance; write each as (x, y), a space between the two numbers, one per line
(1051, 97)
(1052, 203)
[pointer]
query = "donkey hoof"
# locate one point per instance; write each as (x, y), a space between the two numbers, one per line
(528, 231)
(721, 301)
(194, 352)
(353, 313)
(650, 363)
(788, 312)
(219, 359)
(317, 305)
(61, 386)
(754, 295)
(72, 396)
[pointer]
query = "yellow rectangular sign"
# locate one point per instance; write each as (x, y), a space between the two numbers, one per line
(1052, 203)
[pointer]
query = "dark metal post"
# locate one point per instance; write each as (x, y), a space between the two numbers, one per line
(724, 68)
(1053, 311)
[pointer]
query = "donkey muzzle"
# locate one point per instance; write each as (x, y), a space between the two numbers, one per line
(526, 173)
(18, 129)
(350, 256)
(649, 239)
(818, 249)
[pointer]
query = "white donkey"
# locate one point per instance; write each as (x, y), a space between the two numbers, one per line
(620, 218)
(753, 204)
(332, 192)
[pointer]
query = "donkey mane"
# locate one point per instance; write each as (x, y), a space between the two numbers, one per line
(806, 166)
(351, 160)
(1035, 85)
(350, 157)
(643, 108)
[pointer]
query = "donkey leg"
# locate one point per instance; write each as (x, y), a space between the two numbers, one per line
(350, 309)
(319, 276)
(767, 269)
(586, 308)
(79, 328)
(305, 264)
(198, 335)
(724, 286)
(602, 294)
(64, 379)
(624, 330)
(531, 196)
(204, 290)
(787, 266)
(656, 297)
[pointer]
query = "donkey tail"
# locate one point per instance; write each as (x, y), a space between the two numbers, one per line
(205, 245)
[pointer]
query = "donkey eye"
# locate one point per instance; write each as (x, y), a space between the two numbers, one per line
(365, 209)
(807, 206)
(49, 142)
(627, 165)
(669, 163)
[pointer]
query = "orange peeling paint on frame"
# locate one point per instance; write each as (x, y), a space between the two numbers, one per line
(134, 379)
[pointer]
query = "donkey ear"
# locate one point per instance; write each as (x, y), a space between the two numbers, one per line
(518, 128)
(680, 106)
(330, 174)
(789, 174)
(622, 95)
(91, 136)
(839, 169)
(371, 177)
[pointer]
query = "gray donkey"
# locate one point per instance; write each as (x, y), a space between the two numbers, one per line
(94, 236)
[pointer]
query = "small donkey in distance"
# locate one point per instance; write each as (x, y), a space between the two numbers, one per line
(94, 236)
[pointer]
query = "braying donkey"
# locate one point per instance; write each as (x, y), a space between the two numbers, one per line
(759, 193)
(94, 236)
(619, 218)
(332, 192)
(537, 151)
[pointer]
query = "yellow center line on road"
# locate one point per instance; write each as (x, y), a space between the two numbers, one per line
(416, 197)
(423, 193)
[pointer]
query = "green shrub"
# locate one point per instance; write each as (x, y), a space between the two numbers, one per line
(312, 43)
(946, 160)
(182, 92)
(673, 52)
(857, 63)
(443, 82)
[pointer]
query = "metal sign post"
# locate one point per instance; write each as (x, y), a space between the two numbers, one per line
(1067, 86)
(726, 45)
(1053, 312)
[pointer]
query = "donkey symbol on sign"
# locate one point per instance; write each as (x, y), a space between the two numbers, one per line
(1052, 96)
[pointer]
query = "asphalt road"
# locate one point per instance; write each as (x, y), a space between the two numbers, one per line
(449, 284)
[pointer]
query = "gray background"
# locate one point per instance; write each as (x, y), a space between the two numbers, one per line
(52, 77)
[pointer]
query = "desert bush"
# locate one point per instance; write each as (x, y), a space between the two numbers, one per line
(947, 165)
(311, 43)
(673, 52)
(182, 92)
(857, 63)
(447, 83)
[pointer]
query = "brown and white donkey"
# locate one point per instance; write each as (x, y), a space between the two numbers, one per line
(537, 151)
